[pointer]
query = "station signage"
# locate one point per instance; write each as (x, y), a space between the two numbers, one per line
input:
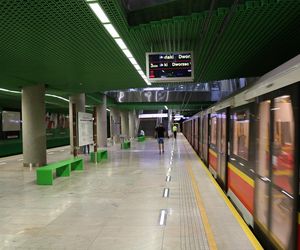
(170, 67)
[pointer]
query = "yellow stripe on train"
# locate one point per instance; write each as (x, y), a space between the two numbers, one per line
(213, 152)
(245, 177)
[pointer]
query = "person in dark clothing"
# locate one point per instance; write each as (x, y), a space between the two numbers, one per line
(160, 132)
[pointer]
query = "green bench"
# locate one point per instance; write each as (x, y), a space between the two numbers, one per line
(100, 154)
(141, 138)
(44, 175)
(125, 145)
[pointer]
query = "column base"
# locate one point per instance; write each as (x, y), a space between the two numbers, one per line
(32, 165)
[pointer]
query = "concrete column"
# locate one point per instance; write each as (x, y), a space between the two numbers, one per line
(79, 101)
(124, 123)
(102, 124)
(33, 126)
(137, 122)
(131, 125)
(115, 125)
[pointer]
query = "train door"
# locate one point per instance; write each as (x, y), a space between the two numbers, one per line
(240, 171)
(213, 149)
(205, 138)
(276, 174)
(196, 135)
(222, 146)
(201, 137)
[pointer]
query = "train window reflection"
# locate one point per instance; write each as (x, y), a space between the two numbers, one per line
(282, 221)
(263, 156)
(213, 131)
(241, 134)
(283, 145)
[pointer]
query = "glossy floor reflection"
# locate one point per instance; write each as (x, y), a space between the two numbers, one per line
(114, 204)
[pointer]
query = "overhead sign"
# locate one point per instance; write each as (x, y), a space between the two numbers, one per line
(85, 129)
(170, 67)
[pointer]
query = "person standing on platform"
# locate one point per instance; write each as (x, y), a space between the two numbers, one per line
(160, 133)
(174, 129)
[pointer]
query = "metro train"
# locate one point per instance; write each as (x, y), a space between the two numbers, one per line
(250, 143)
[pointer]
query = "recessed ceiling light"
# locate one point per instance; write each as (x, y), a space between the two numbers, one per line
(99, 12)
(133, 61)
(10, 91)
(111, 30)
(121, 43)
(58, 97)
(137, 67)
(127, 53)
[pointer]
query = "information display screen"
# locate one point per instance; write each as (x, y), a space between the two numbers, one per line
(170, 67)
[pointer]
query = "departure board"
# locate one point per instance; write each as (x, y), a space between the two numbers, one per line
(170, 67)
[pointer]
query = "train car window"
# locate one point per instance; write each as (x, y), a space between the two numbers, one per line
(241, 134)
(283, 145)
(213, 130)
(263, 155)
(283, 170)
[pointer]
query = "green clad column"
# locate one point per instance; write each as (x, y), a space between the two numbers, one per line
(77, 101)
(115, 124)
(125, 124)
(33, 126)
(102, 124)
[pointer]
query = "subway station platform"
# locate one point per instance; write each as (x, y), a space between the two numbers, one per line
(119, 203)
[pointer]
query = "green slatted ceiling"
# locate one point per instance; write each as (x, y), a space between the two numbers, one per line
(62, 44)
(254, 30)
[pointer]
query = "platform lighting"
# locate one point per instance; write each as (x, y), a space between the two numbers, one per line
(133, 61)
(121, 43)
(19, 92)
(166, 192)
(127, 53)
(99, 12)
(10, 91)
(159, 115)
(162, 219)
(111, 30)
(153, 89)
(58, 97)
(137, 67)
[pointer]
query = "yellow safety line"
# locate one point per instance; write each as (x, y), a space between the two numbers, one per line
(209, 234)
(237, 216)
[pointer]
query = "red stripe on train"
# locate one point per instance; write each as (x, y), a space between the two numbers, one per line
(241, 189)
(213, 161)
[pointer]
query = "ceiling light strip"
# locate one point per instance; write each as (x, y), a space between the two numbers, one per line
(58, 97)
(19, 92)
(99, 12)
